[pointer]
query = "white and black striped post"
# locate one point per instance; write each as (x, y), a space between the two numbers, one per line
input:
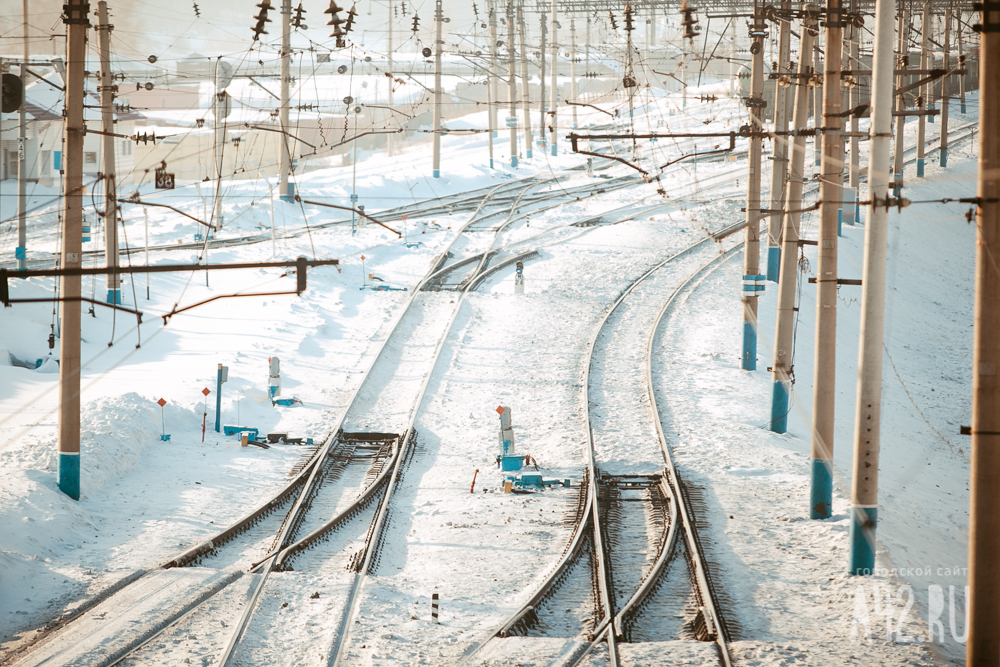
(434, 607)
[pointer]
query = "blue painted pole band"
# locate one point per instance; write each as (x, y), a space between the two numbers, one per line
(898, 187)
(527, 153)
(437, 173)
(491, 163)
(840, 222)
(944, 157)
(962, 108)
(857, 212)
(513, 161)
(779, 407)
(115, 296)
(821, 490)
(773, 263)
(920, 167)
(864, 520)
(749, 360)
(553, 149)
(218, 400)
(69, 474)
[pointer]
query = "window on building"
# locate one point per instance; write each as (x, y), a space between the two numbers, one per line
(90, 157)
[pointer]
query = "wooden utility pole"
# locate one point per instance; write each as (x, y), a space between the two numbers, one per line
(512, 83)
(752, 280)
(831, 178)
(107, 91)
(525, 82)
(285, 187)
(438, 43)
(923, 96)
(868, 410)
(554, 93)
(77, 23)
(784, 328)
(903, 56)
(779, 157)
(945, 88)
(983, 647)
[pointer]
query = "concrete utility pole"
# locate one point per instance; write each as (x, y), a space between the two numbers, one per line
(525, 87)
(494, 88)
(543, 31)
(961, 64)
(438, 43)
(221, 110)
(854, 100)
(923, 96)
(868, 411)
(779, 158)
(511, 83)
(817, 104)
(389, 79)
(732, 61)
(903, 56)
(554, 93)
(751, 248)
(77, 23)
(825, 365)
(784, 327)
(285, 187)
(108, 153)
(945, 88)
(572, 66)
(22, 143)
(983, 647)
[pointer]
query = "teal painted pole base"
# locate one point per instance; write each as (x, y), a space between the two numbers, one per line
(115, 297)
(862, 539)
(513, 162)
(857, 214)
(898, 187)
(527, 153)
(69, 474)
(553, 153)
(773, 263)
(749, 360)
(920, 167)
(491, 163)
(961, 108)
(779, 407)
(821, 490)
(944, 158)
(840, 222)
(437, 174)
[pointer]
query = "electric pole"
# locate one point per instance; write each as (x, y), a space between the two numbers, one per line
(868, 411)
(554, 93)
(77, 23)
(285, 187)
(494, 88)
(784, 328)
(511, 84)
(438, 42)
(572, 66)
(817, 104)
(221, 110)
(855, 100)
(923, 96)
(751, 248)
(389, 79)
(945, 88)
(543, 30)
(108, 153)
(983, 647)
(961, 64)
(903, 55)
(779, 158)
(21, 251)
(831, 178)
(525, 87)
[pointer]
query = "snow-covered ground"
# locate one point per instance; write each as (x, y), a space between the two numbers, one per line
(790, 600)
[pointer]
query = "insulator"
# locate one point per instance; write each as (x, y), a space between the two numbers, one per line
(350, 19)
(261, 18)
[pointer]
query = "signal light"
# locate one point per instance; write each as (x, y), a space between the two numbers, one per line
(13, 93)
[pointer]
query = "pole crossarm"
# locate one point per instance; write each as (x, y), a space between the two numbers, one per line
(135, 200)
(159, 268)
(348, 208)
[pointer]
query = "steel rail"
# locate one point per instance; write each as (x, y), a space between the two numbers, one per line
(342, 637)
(269, 566)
